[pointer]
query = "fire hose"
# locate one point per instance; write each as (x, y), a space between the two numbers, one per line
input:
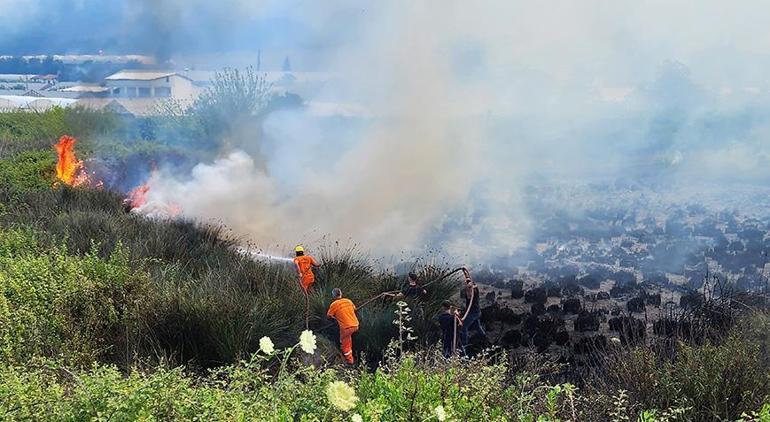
(395, 292)
(457, 316)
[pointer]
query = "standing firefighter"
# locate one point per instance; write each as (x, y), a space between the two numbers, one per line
(305, 265)
(449, 320)
(412, 290)
(344, 311)
(472, 318)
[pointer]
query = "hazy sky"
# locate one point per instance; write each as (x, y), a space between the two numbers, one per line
(170, 27)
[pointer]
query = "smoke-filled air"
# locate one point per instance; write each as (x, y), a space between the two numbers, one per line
(457, 112)
(443, 117)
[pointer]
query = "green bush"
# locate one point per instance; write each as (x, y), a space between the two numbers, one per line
(29, 170)
(411, 389)
(53, 304)
(231, 102)
(25, 126)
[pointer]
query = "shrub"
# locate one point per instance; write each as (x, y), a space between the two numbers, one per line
(418, 387)
(718, 381)
(231, 102)
(29, 170)
(18, 128)
(53, 304)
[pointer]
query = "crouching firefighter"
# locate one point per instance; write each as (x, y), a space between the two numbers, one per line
(344, 311)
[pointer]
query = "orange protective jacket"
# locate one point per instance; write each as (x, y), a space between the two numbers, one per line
(305, 268)
(344, 311)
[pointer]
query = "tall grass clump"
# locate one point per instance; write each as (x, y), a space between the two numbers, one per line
(720, 379)
(207, 303)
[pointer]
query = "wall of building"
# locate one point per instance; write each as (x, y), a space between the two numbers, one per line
(173, 86)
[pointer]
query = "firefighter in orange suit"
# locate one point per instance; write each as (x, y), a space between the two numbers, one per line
(344, 311)
(305, 265)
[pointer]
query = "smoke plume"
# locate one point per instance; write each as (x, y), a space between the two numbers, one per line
(466, 106)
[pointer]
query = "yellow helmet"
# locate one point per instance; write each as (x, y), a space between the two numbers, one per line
(299, 248)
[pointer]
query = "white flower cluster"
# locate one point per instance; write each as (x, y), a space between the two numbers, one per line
(266, 345)
(341, 395)
(307, 342)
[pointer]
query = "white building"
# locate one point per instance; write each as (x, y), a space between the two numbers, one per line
(32, 103)
(150, 84)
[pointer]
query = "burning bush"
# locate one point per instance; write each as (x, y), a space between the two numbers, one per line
(68, 168)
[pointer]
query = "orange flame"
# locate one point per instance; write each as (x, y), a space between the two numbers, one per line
(68, 168)
(138, 196)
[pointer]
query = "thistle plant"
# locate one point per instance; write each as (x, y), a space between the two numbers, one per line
(403, 318)
(620, 403)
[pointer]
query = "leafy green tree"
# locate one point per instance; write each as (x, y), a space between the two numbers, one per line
(231, 102)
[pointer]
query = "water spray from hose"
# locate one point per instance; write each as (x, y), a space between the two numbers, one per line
(261, 256)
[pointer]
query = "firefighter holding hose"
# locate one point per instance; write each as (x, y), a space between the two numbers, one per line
(449, 320)
(344, 312)
(305, 265)
(472, 318)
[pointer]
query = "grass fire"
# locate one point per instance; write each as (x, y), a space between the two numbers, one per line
(384, 211)
(69, 169)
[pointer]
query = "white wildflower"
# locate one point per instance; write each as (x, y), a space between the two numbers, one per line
(266, 345)
(440, 413)
(307, 342)
(341, 395)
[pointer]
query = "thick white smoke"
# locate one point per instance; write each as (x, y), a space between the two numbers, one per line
(473, 102)
(414, 162)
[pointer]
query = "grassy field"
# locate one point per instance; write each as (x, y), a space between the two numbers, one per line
(107, 315)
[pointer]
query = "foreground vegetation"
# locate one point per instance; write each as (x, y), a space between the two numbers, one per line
(707, 383)
(106, 315)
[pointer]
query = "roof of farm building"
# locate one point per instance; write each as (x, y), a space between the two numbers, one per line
(93, 88)
(141, 75)
(29, 102)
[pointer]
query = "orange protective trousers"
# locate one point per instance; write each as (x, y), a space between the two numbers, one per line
(306, 284)
(346, 341)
